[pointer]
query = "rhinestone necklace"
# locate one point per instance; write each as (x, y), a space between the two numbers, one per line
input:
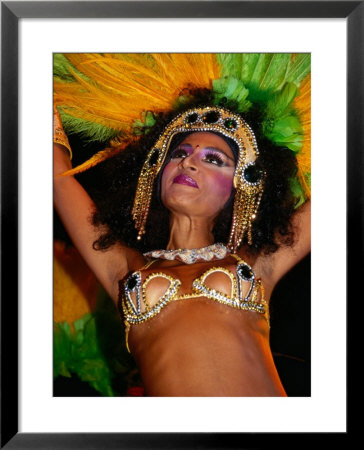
(190, 256)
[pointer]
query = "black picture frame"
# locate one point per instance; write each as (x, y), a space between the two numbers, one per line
(11, 13)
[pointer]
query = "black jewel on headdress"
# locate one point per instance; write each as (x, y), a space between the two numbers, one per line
(230, 124)
(153, 157)
(252, 173)
(191, 118)
(211, 117)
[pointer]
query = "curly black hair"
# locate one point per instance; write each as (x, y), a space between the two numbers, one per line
(114, 195)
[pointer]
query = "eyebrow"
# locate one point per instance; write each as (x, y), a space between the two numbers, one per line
(209, 148)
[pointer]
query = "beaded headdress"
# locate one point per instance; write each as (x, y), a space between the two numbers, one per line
(248, 179)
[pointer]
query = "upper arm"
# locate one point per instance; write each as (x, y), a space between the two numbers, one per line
(75, 208)
(275, 266)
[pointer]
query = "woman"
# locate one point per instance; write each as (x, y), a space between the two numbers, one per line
(195, 310)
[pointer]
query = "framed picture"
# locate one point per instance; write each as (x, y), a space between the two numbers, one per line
(31, 33)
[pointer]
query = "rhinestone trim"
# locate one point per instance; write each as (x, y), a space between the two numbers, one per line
(134, 315)
(130, 304)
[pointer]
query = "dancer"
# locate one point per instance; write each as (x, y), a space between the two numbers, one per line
(200, 215)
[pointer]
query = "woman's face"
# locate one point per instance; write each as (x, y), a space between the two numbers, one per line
(198, 179)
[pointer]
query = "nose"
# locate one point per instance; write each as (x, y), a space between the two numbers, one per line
(189, 162)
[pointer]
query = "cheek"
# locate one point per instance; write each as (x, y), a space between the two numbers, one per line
(165, 176)
(167, 170)
(221, 186)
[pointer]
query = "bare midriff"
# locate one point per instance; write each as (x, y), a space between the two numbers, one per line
(198, 347)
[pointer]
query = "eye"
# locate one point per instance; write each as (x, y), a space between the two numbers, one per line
(179, 153)
(214, 158)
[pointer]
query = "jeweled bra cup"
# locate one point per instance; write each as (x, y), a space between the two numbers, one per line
(247, 303)
(133, 313)
(137, 310)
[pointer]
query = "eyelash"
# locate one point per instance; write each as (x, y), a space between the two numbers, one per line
(216, 157)
(180, 153)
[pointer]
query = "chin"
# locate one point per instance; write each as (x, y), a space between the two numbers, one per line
(183, 205)
(178, 196)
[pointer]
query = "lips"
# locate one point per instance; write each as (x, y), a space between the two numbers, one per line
(186, 180)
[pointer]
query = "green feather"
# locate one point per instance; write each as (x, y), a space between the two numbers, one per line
(230, 64)
(61, 349)
(79, 353)
(268, 75)
(249, 62)
(231, 89)
(273, 72)
(300, 68)
(61, 67)
(279, 102)
(285, 132)
(272, 81)
(308, 179)
(262, 73)
(63, 70)
(281, 124)
(298, 192)
(265, 73)
(89, 131)
(143, 125)
(96, 350)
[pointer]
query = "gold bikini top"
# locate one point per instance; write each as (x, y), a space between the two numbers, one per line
(136, 308)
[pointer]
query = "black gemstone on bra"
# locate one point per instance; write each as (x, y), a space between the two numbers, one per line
(131, 282)
(245, 272)
(191, 118)
(211, 117)
(154, 157)
(253, 174)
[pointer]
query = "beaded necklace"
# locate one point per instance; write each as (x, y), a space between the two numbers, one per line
(191, 256)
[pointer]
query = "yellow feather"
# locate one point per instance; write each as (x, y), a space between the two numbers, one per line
(75, 287)
(118, 87)
(95, 159)
(303, 105)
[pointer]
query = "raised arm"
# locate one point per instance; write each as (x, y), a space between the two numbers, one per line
(276, 265)
(75, 208)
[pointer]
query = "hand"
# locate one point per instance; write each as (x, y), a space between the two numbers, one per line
(59, 136)
(61, 149)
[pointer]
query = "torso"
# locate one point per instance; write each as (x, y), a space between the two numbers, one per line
(199, 346)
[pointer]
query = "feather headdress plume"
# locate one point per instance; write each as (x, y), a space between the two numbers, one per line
(113, 90)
